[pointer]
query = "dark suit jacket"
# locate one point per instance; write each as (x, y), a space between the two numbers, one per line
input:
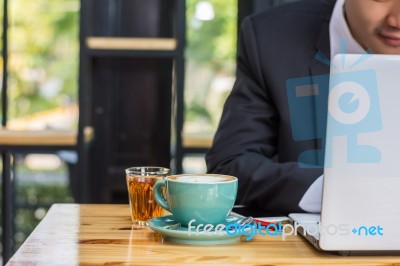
(254, 140)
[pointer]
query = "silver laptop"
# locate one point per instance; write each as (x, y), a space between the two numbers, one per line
(361, 190)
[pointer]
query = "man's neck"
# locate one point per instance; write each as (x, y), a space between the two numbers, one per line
(341, 38)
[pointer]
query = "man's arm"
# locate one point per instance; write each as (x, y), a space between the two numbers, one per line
(247, 139)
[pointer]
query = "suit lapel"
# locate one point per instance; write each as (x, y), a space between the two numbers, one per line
(319, 69)
(320, 65)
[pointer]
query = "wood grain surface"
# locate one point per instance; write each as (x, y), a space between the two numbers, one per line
(72, 234)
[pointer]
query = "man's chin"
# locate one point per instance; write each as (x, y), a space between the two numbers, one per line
(383, 48)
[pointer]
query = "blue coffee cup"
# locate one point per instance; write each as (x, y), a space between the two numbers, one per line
(197, 198)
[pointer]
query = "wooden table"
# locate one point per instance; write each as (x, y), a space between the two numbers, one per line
(73, 234)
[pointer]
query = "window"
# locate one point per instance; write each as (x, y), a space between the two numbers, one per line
(210, 60)
(42, 89)
(43, 64)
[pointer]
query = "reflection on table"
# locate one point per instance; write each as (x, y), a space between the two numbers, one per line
(73, 234)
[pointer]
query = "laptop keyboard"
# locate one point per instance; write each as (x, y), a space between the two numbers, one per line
(305, 217)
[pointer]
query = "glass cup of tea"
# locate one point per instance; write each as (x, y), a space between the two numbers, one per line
(140, 181)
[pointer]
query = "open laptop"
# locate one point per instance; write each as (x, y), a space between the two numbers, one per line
(361, 191)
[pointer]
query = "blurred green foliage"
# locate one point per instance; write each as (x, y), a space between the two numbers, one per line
(213, 42)
(43, 55)
(210, 53)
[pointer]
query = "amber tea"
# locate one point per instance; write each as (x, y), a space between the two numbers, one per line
(140, 182)
(141, 199)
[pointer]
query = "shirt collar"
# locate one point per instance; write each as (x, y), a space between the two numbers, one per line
(341, 39)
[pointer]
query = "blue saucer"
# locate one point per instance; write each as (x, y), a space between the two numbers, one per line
(174, 232)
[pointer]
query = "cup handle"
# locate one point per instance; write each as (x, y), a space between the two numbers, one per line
(158, 195)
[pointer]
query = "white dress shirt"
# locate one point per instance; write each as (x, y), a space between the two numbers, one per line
(341, 41)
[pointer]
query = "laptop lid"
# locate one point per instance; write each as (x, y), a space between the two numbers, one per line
(361, 192)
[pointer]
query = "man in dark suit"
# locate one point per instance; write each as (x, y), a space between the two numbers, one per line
(255, 140)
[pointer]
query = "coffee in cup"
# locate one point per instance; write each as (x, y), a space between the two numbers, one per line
(197, 198)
